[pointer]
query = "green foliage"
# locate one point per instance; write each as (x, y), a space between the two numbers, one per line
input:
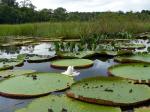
(9, 2)
(59, 22)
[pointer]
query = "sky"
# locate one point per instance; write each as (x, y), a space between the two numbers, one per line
(94, 5)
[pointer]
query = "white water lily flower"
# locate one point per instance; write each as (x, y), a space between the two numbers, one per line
(70, 72)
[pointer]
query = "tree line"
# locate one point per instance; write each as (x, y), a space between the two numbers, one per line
(12, 12)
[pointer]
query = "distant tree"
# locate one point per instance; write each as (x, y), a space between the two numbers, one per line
(27, 4)
(60, 14)
(145, 11)
(45, 14)
(9, 2)
(8, 14)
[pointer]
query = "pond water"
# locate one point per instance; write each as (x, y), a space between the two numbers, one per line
(98, 69)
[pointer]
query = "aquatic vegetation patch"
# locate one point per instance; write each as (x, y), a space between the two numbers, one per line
(109, 91)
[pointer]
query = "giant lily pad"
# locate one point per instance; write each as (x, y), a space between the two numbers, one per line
(109, 91)
(62, 103)
(81, 54)
(23, 38)
(9, 63)
(77, 63)
(143, 109)
(129, 46)
(21, 57)
(10, 73)
(71, 40)
(38, 58)
(134, 58)
(34, 85)
(16, 43)
(50, 40)
(114, 53)
(144, 35)
(109, 53)
(139, 72)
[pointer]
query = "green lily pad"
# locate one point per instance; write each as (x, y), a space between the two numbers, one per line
(10, 73)
(9, 63)
(109, 53)
(34, 85)
(21, 57)
(143, 109)
(38, 58)
(114, 53)
(109, 91)
(16, 43)
(134, 58)
(140, 72)
(145, 35)
(22, 38)
(50, 40)
(71, 40)
(81, 54)
(62, 103)
(129, 46)
(77, 63)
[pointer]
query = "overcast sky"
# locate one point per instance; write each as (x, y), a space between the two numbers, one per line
(94, 5)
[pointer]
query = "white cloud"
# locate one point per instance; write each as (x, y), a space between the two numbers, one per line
(94, 5)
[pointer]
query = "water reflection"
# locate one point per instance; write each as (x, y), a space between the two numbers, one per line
(9, 105)
(41, 49)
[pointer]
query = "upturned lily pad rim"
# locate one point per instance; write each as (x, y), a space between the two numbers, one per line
(28, 72)
(6, 68)
(100, 101)
(107, 53)
(78, 67)
(20, 63)
(123, 59)
(126, 64)
(114, 53)
(129, 46)
(40, 60)
(88, 55)
(23, 96)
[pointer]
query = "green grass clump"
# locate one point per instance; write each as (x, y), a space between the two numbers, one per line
(103, 25)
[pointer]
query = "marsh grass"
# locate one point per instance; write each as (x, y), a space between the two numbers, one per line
(76, 29)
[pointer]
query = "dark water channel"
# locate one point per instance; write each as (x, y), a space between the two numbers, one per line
(99, 69)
